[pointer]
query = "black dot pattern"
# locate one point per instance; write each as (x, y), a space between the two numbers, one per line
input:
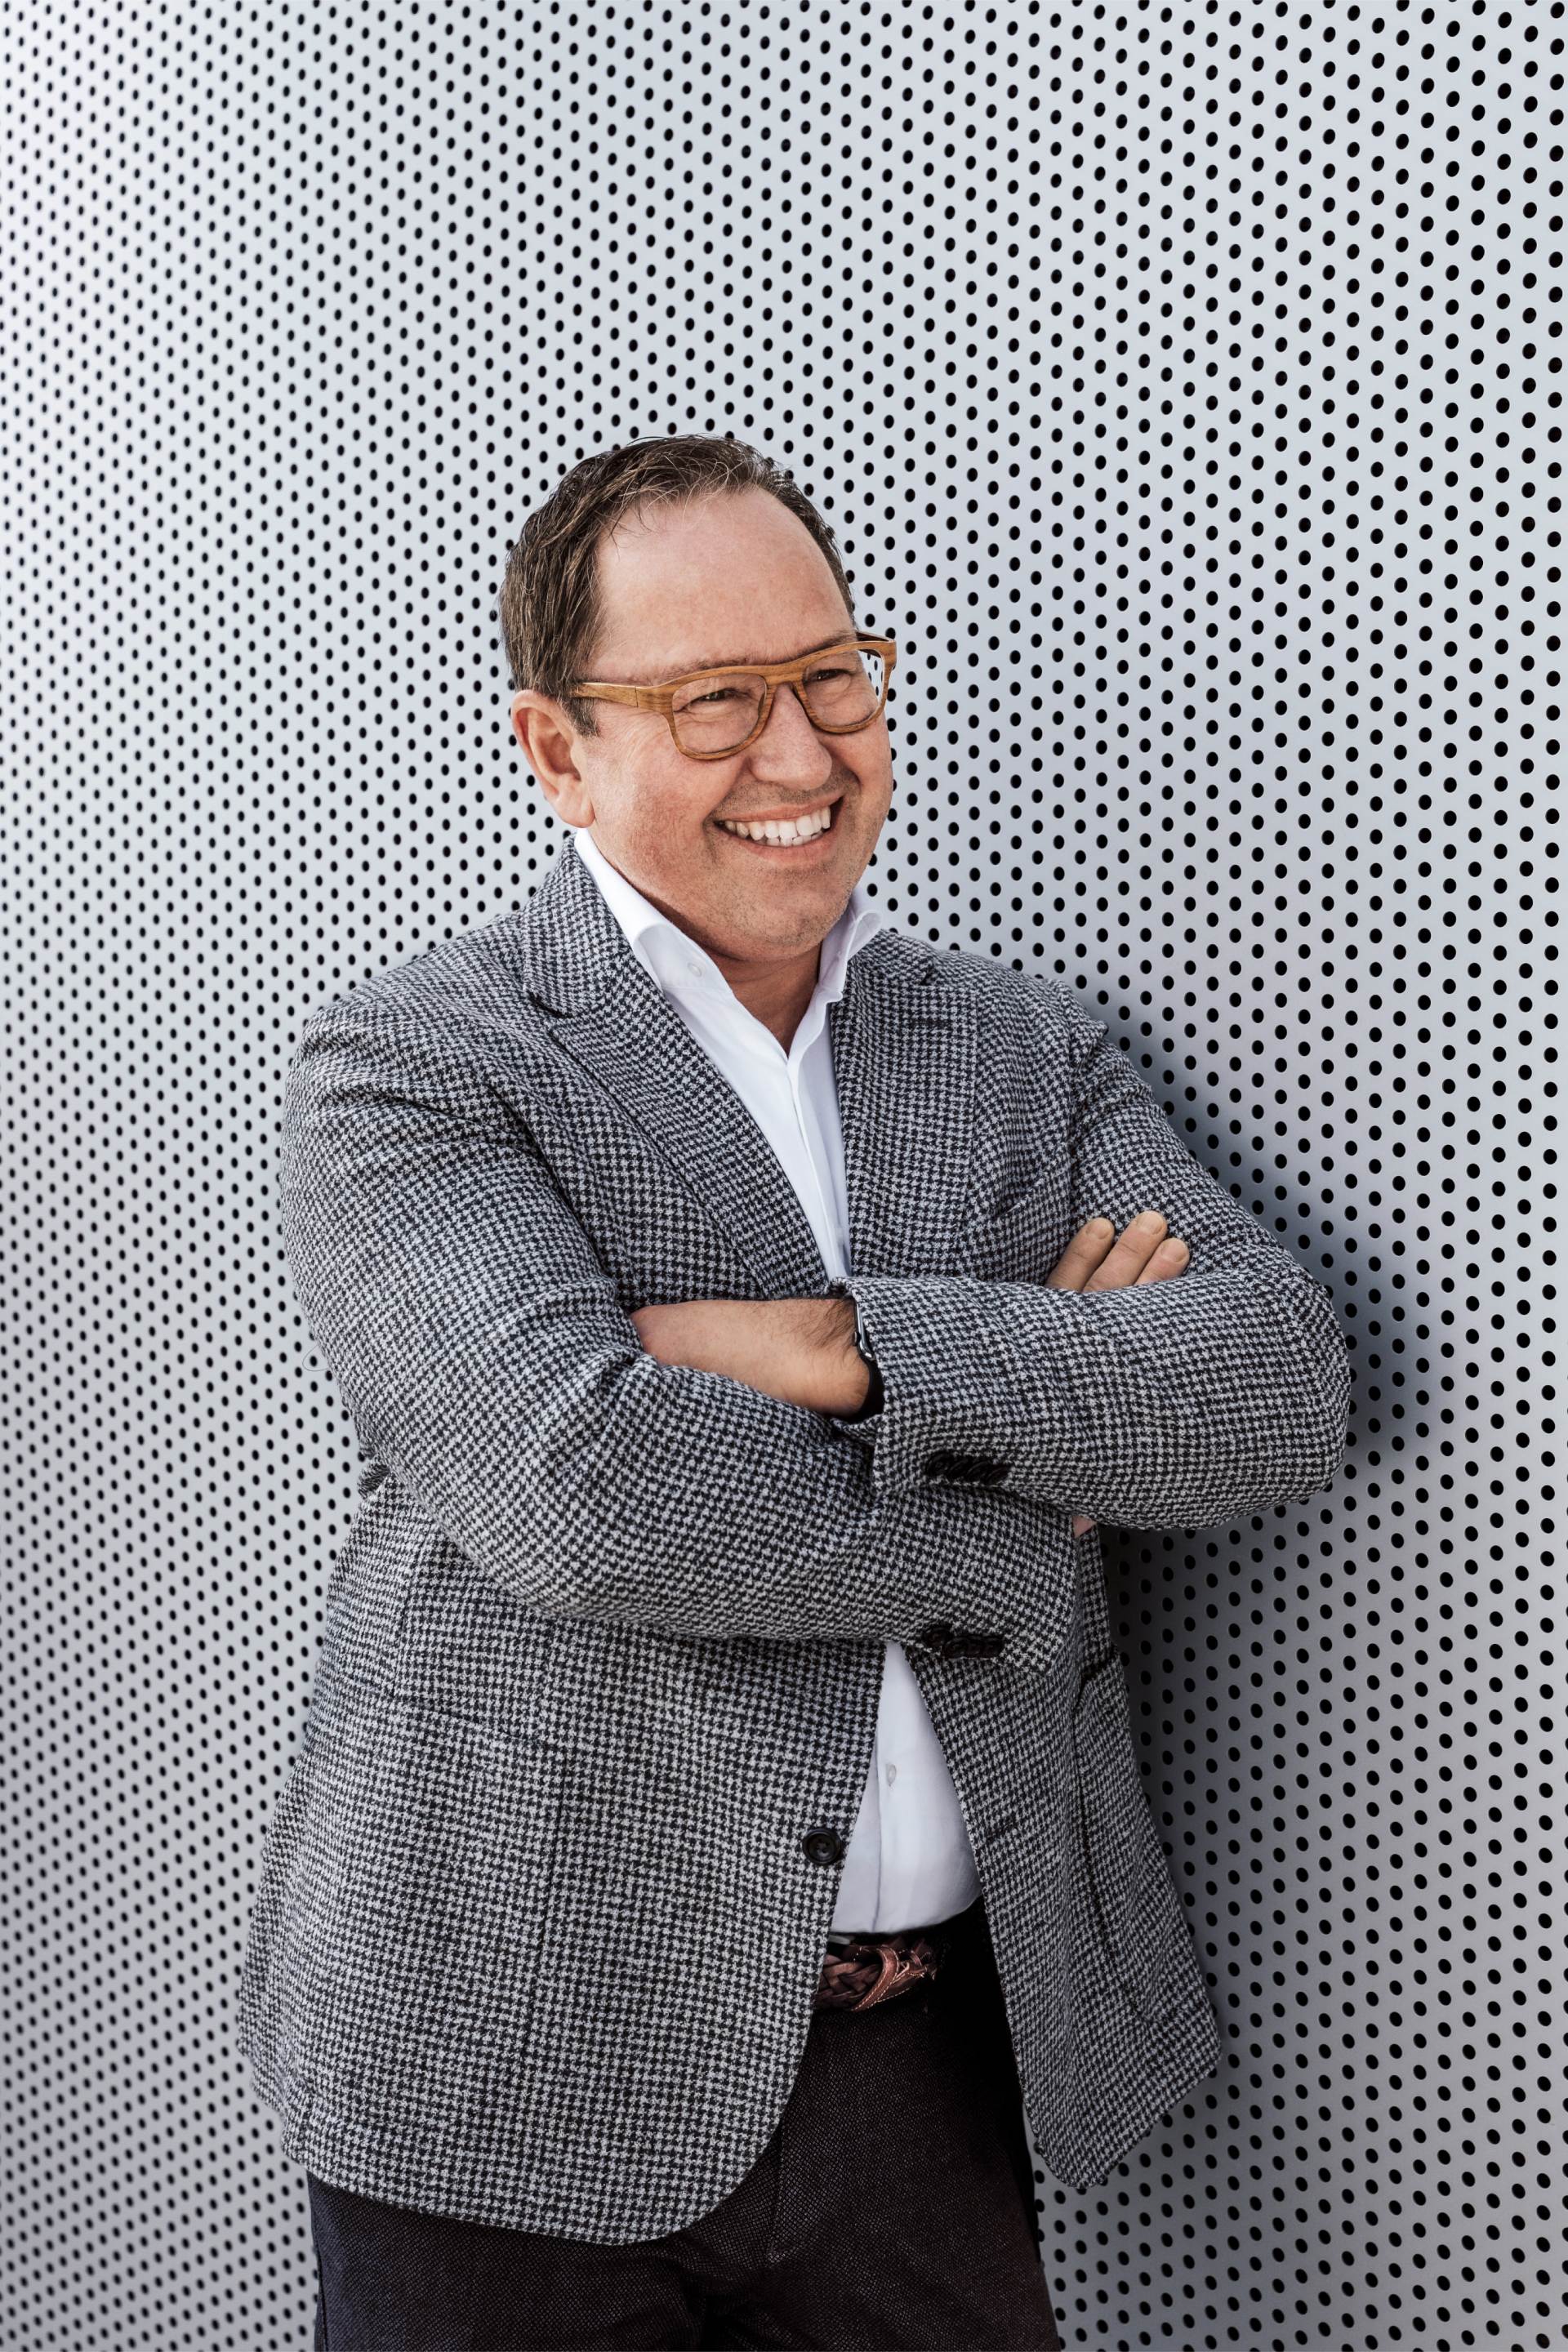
(1185, 391)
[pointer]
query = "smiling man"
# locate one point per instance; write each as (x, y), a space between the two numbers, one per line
(718, 1825)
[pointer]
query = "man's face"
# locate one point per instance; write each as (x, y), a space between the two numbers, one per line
(733, 579)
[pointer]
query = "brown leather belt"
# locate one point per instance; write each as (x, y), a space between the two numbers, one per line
(872, 1969)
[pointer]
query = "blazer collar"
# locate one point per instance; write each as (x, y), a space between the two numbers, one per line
(903, 1049)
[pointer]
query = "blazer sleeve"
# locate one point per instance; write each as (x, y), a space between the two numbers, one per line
(479, 1346)
(1189, 1403)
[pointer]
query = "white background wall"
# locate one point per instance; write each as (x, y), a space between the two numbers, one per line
(1183, 390)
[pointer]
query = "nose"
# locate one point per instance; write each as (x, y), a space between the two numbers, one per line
(792, 733)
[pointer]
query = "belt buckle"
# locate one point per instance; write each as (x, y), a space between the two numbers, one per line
(899, 1969)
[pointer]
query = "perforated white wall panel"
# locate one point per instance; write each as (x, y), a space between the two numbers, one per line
(1183, 389)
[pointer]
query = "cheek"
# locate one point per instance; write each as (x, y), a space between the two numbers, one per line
(873, 770)
(872, 801)
(661, 816)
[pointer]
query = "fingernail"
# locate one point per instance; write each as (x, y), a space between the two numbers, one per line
(1148, 1221)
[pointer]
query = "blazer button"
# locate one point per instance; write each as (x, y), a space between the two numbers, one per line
(975, 1469)
(935, 1637)
(822, 1846)
(976, 1645)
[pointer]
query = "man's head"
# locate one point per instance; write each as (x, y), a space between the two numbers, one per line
(668, 556)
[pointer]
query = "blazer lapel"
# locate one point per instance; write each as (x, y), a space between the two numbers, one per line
(903, 1047)
(903, 1057)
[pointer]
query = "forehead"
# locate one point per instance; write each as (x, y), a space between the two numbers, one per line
(716, 584)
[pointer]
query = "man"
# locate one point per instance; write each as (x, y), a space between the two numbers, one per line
(718, 1823)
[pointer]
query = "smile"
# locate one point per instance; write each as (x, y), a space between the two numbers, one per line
(781, 832)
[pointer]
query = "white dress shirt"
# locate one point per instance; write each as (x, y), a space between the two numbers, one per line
(910, 1861)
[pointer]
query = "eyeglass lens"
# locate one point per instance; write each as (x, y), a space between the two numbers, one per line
(843, 687)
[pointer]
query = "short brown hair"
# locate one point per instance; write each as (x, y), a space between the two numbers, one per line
(551, 614)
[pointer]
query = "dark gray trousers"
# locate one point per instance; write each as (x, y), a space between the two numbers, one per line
(893, 2208)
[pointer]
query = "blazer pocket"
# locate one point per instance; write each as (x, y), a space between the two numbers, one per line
(421, 1890)
(1138, 1913)
(1023, 1239)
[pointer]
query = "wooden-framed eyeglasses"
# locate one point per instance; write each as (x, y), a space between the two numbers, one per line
(714, 713)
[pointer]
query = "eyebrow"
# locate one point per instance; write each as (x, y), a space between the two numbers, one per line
(747, 661)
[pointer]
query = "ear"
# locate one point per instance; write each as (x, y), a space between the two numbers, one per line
(548, 745)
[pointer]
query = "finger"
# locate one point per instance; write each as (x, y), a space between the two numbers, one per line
(1082, 1255)
(1122, 1265)
(1080, 1526)
(1170, 1258)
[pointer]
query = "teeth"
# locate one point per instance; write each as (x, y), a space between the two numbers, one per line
(781, 833)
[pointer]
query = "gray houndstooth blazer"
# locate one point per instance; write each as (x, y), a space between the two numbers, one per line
(542, 1902)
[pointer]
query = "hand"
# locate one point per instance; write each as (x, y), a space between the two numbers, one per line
(1143, 1253)
(801, 1351)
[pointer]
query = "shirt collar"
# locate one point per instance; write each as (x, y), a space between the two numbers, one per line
(682, 967)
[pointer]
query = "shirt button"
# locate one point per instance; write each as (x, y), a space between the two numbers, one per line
(893, 1774)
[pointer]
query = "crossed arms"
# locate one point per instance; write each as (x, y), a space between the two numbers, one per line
(803, 1349)
(480, 1348)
